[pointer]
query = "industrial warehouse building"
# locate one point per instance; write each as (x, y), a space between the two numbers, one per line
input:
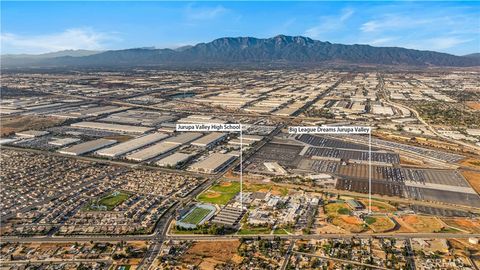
(152, 151)
(200, 119)
(32, 133)
(183, 138)
(63, 141)
(112, 127)
(86, 147)
(209, 140)
(131, 145)
(174, 160)
(213, 164)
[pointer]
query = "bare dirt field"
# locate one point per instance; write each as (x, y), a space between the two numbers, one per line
(403, 226)
(12, 124)
(213, 194)
(424, 224)
(474, 105)
(471, 162)
(378, 206)
(206, 255)
(349, 223)
(380, 223)
(225, 184)
(272, 188)
(466, 224)
(473, 178)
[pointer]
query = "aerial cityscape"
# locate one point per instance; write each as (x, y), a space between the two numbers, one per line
(292, 150)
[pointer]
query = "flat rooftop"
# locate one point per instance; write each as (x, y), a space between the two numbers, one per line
(86, 147)
(111, 127)
(183, 138)
(174, 159)
(213, 162)
(152, 151)
(209, 138)
(131, 145)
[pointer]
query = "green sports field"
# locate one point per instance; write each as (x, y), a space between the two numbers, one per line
(109, 202)
(220, 193)
(196, 215)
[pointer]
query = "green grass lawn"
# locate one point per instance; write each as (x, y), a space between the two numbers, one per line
(370, 220)
(281, 231)
(334, 209)
(253, 230)
(283, 191)
(220, 194)
(196, 215)
(110, 201)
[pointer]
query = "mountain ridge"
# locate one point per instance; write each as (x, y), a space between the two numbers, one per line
(279, 49)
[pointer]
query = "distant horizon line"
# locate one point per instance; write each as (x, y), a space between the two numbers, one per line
(153, 47)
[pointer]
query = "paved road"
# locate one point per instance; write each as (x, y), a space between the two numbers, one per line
(231, 237)
(323, 236)
(288, 255)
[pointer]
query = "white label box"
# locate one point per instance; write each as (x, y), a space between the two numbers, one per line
(209, 127)
(329, 130)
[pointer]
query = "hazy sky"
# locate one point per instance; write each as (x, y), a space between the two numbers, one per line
(35, 27)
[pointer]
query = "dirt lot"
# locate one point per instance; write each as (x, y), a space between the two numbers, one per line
(403, 226)
(471, 162)
(378, 206)
(473, 105)
(206, 255)
(473, 178)
(423, 224)
(466, 224)
(274, 189)
(380, 223)
(12, 124)
(349, 223)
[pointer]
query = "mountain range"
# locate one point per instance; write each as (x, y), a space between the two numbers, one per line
(281, 49)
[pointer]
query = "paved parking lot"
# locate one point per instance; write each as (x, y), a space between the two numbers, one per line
(443, 196)
(329, 142)
(440, 211)
(443, 177)
(344, 154)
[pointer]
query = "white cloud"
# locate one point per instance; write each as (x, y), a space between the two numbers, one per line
(447, 42)
(419, 20)
(394, 22)
(444, 30)
(346, 14)
(370, 26)
(70, 39)
(381, 41)
(329, 24)
(438, 43)
(204, 13)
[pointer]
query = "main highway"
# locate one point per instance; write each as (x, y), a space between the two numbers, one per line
(230, 237)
